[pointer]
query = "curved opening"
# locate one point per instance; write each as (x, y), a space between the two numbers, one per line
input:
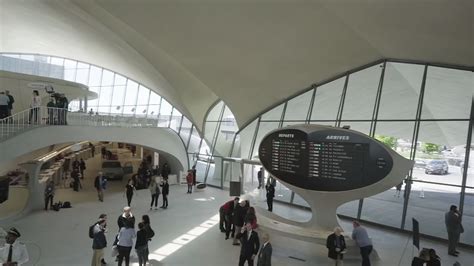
(56, 163)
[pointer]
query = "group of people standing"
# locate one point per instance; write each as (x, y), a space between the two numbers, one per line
(77, 173)
(238, 220)
(124, 240)
(57, 107)
(336, 244)
(154, 187)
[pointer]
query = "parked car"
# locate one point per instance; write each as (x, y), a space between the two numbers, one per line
(437, 167)
(113, 170)
(420, 163)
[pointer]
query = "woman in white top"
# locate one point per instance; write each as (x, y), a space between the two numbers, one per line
(35, 104)
(155, 191)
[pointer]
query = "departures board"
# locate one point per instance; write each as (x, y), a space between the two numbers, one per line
(324, 158)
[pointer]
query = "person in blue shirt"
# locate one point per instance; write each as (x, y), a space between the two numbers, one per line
(360, 236)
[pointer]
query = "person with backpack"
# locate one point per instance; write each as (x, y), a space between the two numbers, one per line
(93, 229)
(99, 242)
(155, 192)
(165, 190)
(49, 194)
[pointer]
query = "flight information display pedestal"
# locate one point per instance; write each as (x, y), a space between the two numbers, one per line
(329, 166)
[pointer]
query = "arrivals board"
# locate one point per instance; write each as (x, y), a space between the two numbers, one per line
(324, 158)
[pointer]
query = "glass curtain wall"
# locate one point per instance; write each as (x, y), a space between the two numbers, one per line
(117, 94)
(219, 136)
(423, 112)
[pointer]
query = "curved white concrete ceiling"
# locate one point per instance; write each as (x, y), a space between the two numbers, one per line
(251, 54)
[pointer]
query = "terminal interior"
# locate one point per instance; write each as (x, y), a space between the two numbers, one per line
(201, 84)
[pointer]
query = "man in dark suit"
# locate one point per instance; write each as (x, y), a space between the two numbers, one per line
(454, 228)
(260, 177)
(270, 195)
(250, 245)
(265, 255)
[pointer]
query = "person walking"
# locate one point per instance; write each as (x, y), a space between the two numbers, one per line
(359, 234)
(189, 180)
(49, 194)
(270, 195)
(155, 192)
(99, 242)
(398, 190)
(99, 184)
(250, 244)
(265, 253)
(129, 189)
(454, 228)
(141, 245)
(82, 167)
(13, 253)
(125, 243)
(336, 245)
(260, 177)
(165, 191)
(35, 107)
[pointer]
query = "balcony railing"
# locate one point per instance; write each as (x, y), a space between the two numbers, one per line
(49, 116)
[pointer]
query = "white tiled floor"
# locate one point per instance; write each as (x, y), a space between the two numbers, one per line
(187, 234)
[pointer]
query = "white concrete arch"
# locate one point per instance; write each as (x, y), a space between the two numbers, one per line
(161, 139)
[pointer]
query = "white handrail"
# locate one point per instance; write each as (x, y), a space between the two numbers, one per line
(50, 116)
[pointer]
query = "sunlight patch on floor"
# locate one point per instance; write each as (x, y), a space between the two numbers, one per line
(161, 253)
